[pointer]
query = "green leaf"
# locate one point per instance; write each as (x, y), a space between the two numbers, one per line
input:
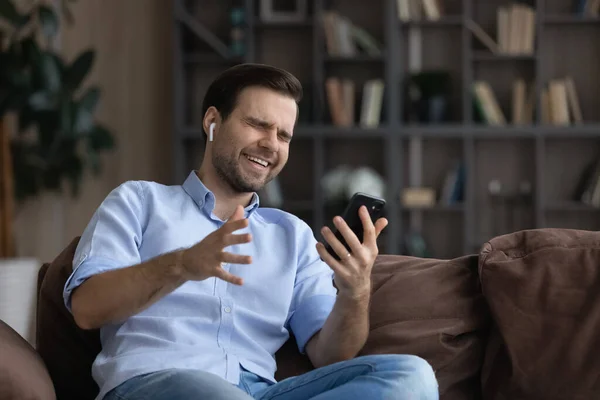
(13, 69)
(73, 170)
(49, 21)
(42, 101)
(48, 131)
(30, 50)
(84, 111)
(90, 98)
(94, 161)
(9, 12)
(26, 172)
(60, 64)
(51, 79)
(26, 118)
(100, 139)
(67, 113)
(12, 101)
(76, 72)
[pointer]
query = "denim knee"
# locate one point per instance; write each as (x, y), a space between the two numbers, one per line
(422, 380)
(413, 375)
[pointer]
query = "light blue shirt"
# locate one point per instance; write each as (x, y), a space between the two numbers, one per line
(208, 325)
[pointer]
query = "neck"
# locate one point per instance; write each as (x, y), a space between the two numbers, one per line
(226, 199)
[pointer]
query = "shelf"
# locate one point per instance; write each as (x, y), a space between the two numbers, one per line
(263, 25)
(511, 154)
(457, 131)
(313, 131)
(451, 20)
(507, 131)
(591, 130)
(210, 59)
(570, 206)
(361, 58)
(486, 56)
(573, 19)
(339, 132)
(441, 208)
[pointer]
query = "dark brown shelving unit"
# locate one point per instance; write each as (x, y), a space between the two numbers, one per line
(549, 158)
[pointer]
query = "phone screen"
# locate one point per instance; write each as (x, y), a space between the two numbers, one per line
(376, 208)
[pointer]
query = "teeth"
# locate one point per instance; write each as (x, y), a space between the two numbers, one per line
(258, 160)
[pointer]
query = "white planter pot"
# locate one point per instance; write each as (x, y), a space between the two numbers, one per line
(18, 287)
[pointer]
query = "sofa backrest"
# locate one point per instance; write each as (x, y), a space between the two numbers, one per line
(433, 309)
(430, 308)
(543, 291)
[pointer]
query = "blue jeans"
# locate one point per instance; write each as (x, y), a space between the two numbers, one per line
(369, 377)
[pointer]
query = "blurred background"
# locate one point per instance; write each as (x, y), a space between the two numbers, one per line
(472, 118)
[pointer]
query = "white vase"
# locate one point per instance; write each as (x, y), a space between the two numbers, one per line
(18, 295)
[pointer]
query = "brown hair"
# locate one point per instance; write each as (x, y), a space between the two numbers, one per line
(224, 90)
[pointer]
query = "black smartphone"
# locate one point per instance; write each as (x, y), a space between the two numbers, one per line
(375, 206)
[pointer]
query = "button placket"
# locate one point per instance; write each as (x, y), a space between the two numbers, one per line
(226, 328)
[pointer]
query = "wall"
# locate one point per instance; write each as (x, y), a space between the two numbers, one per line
(133, 69)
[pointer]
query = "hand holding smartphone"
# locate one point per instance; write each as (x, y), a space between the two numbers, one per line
(375, 206)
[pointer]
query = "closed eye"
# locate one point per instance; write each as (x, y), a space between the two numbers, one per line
(258, 123)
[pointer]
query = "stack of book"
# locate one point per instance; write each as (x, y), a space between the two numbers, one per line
(515, 29)
(343, 38)
(560, 103)
(341, 98)
(414, 9)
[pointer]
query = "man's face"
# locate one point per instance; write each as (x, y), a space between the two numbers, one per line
(252, 145)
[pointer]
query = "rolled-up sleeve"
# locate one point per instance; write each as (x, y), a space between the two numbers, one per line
(111, 239)
(314, 292)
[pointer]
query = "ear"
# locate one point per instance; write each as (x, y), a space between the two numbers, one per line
(210, 121)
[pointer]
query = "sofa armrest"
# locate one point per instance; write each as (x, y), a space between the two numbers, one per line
(23, 374)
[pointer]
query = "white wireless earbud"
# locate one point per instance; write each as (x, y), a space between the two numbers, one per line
(211, 129)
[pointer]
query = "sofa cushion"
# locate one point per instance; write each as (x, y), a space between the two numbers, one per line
(433, 309)
(23, 375)
(543, 290)
(67, 350)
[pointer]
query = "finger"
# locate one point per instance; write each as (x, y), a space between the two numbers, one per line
(334, 264)
(335, 243)
(226, 276)
(369, 234)
(380, 225)
(231, 239)
(235, 258)
(347, 234)
(232, 226)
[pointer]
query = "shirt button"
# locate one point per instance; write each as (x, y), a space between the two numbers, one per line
(227, 309)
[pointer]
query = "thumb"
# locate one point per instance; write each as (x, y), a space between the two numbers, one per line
(237, 214)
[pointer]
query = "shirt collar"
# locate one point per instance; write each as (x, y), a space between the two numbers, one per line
(205, 199)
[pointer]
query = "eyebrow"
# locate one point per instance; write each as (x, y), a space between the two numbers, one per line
(265, 124)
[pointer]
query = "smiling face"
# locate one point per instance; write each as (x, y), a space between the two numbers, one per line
(251, 146)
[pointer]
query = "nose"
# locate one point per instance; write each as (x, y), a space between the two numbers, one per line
(270, 141)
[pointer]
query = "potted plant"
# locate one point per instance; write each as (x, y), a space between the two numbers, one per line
(55, 137)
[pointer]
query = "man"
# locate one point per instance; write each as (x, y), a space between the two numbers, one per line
(195, 288)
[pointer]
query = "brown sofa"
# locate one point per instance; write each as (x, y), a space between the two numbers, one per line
(519, 320)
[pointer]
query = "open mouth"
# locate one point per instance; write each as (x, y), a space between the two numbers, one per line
(258, 161)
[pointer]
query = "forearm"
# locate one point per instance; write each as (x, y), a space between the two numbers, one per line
(345, 331)
(116, 295)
